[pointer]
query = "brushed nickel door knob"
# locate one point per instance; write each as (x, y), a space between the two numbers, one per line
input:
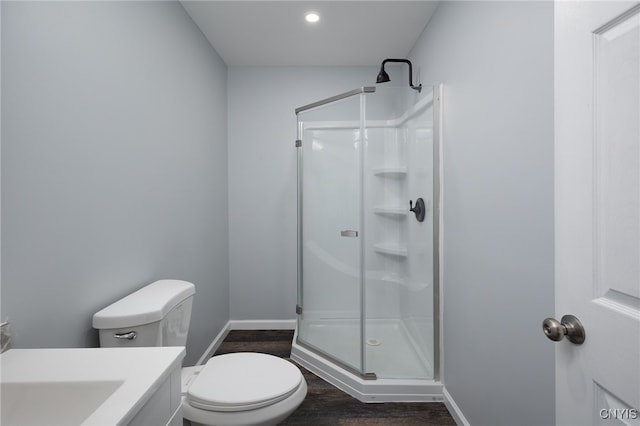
(569, 326)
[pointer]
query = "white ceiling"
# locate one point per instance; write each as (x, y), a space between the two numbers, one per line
(274, 33)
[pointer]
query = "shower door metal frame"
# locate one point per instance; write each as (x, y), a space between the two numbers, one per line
(365, 89)
(436, 93)
(362, 373)
(437, 201)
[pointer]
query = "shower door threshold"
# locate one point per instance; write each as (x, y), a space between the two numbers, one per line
(334, 361)
(363, 388)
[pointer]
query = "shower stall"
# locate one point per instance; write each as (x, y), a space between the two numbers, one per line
(368, 242)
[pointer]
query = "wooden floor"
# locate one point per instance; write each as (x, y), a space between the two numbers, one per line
(327, 405)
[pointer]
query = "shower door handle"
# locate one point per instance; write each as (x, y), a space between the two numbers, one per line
(349, 233)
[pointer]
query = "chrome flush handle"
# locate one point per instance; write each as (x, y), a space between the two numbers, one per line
(126, 336)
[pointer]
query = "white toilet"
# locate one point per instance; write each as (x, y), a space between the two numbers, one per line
(232, 389)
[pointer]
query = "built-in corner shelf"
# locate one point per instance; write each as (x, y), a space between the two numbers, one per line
(393, 172)
(390, 248)
(393, 211)
(393, 279)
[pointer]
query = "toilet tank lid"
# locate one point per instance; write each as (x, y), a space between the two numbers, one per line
(149, 304)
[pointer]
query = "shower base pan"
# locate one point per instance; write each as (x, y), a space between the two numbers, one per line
(366, 390)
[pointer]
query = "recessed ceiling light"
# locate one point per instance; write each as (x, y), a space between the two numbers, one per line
(312, 17)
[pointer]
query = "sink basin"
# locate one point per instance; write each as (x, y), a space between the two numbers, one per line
(89, 386)
(56, 403)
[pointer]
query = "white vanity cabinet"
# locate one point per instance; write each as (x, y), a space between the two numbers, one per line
(164, 406)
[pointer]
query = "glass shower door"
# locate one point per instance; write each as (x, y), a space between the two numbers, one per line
(368, 267)
(329, 294)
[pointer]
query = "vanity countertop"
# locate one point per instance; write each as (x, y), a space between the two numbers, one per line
(99, 386)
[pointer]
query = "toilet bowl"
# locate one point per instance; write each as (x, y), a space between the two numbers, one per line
(241, 389)
(232, 389)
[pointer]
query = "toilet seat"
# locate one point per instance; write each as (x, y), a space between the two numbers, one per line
(242, 381)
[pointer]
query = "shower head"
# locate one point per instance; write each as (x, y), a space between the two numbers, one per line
(383, 77)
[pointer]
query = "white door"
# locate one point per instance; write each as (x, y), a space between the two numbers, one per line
(597, 120)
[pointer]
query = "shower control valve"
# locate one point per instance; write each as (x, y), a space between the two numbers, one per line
(419, 210)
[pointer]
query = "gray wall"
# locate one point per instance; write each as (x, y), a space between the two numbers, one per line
(114, 165)
(496, 60)
(114, 174)
(262, 179)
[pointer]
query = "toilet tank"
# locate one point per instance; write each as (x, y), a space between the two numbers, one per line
(156, 315)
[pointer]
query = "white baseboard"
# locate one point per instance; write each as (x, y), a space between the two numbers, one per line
(213, 347)
(244, 325)
(262, 324)
(453, 408)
